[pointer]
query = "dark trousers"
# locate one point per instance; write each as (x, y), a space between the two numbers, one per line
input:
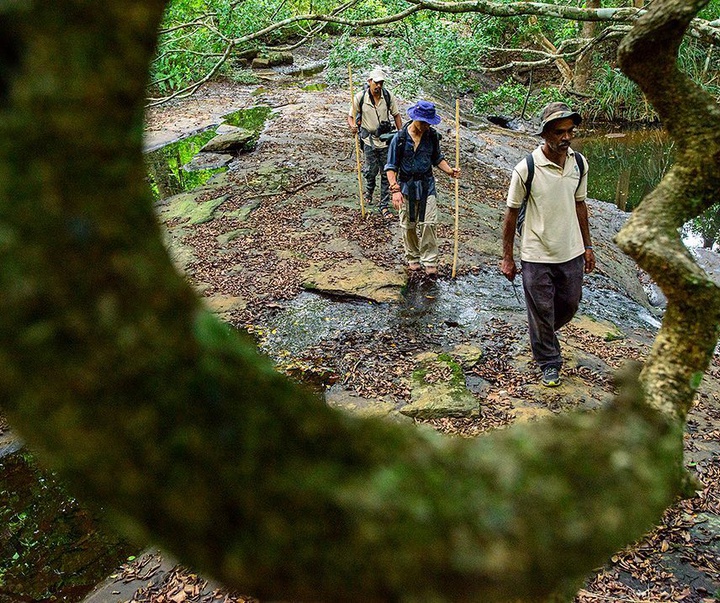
(375, 160)
(552, 296)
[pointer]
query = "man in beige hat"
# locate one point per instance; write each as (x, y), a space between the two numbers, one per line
(546, 205)
(375, 115)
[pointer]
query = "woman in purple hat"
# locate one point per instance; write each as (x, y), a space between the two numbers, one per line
(413, 152)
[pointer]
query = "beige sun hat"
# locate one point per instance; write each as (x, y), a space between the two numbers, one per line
(556, 110)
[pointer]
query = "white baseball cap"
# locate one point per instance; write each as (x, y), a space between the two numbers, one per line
(377, 75)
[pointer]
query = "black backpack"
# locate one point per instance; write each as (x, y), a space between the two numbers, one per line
(402, 139)
(528, 183)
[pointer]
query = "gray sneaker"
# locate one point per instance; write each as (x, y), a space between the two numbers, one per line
(551, 376)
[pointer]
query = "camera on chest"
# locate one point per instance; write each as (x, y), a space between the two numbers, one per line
(385, 127)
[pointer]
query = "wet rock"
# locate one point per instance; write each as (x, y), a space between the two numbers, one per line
(272, 59)
(505, 121)
(349, 401)
(526, 414)
(362, 279)
(467, 355)
(187, 207)
(238, 140)
(600, 328)
(308, 69)
(182, 256)
(207, 161)
(438, 390)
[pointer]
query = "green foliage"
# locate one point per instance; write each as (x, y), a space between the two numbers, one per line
(509, 98)
(617, 98)
(362, 54)
(702, 65)
(427, 53)
(707, 225)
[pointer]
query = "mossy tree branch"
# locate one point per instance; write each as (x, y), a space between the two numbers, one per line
(155, 411)
(684, 346)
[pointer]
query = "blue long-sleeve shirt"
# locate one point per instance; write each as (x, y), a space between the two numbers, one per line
(415, 169)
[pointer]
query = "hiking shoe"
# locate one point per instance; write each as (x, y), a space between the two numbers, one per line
(551, 376)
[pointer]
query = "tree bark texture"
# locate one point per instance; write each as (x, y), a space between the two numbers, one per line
(152, 409)
(583, 65)
(685, 344)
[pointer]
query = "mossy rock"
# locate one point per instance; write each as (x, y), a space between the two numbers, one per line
(438, 390)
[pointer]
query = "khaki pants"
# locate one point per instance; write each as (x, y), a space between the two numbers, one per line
(420, 238)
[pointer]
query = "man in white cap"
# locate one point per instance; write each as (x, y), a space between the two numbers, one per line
(546, 200)
(374, 113)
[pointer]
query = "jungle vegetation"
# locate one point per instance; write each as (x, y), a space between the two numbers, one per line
(507, 62)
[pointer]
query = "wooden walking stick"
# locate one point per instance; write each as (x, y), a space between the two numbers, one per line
(357, 148)
(457, 183)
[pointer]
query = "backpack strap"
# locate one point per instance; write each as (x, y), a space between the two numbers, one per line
(358, 115)
(386, 96)
(530, 161)
(580, 160)
(401, 140)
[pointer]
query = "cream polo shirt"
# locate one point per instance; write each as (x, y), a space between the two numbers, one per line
(551, 233)
(371, 113)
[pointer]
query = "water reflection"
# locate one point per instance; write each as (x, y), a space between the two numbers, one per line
(51, 548)
(625, 167)
(165, 166)
(168, 167)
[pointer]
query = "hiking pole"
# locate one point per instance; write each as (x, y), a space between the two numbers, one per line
(457, 183)
(515, 289)
(357, 147)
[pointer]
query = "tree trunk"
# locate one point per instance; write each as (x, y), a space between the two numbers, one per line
(583, 65)
(548, 46)
(622, 190)
(686, 342)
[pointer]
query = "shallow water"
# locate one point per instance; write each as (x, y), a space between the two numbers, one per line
(466, 304)
(51, 548)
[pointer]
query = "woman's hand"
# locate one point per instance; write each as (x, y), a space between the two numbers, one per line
(397, 200)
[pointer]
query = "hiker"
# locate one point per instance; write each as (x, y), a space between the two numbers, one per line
(375, 116)
(546, 204)
(413, 152)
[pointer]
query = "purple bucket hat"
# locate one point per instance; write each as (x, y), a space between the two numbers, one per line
(424, 111)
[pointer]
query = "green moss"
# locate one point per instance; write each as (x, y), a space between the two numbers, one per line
(188, 209)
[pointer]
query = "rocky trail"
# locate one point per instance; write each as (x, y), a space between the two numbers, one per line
(277, 247)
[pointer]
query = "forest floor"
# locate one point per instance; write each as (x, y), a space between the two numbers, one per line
(258, 264)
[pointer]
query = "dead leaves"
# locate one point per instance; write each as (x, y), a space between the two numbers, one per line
(180, 585)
